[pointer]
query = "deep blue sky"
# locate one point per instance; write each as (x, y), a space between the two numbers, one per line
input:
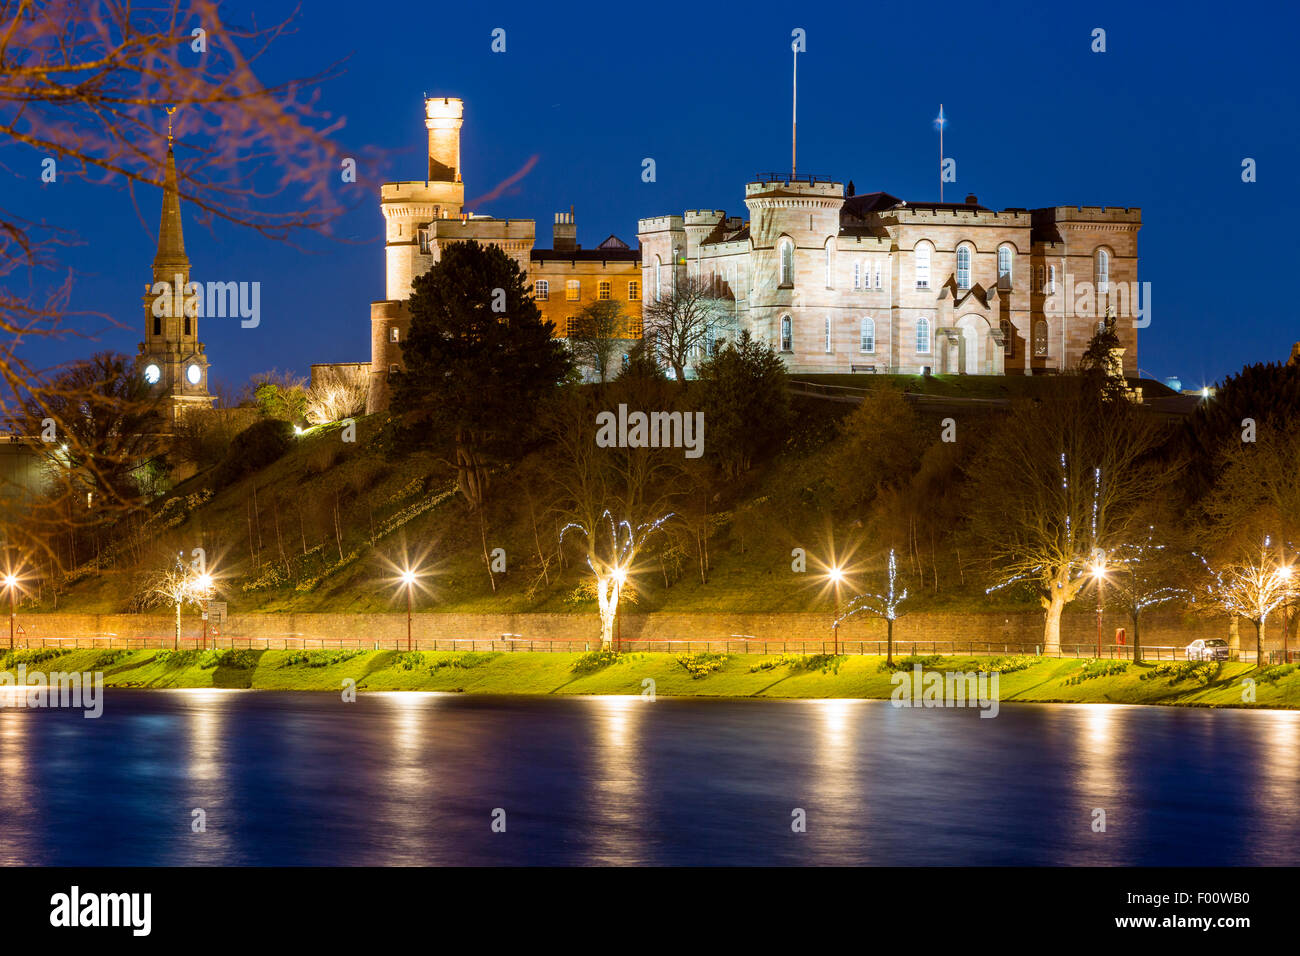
(1162, 120)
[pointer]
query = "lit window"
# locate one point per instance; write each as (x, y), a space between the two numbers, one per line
(393, 334)
(830, 266)
(570, 325)
(787, 334)
(542, 290)
(828, 333)
(634, 328)
(633, 290)
(1103, 270)
(658, 285)
(572, 290)
(868, 335)
(1040, 338)
(1051, 280)
(921, 261)
(1004, 267)
(787, 262)
(923, 336)
(603, 290)
(963, 267)
(424, 241)
(392, 369)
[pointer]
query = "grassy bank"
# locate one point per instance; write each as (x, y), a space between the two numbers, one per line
(702, 675)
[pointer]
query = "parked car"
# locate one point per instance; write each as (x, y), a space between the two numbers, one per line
(1215, 649)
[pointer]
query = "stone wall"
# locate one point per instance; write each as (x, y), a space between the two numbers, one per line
(781, 630)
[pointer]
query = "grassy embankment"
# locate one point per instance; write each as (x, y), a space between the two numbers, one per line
(771, 676)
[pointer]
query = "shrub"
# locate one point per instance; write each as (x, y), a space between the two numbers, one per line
(595, 661)
(320, 658)
(906, 663)
(1201, 671)
(109, 658)
(253, 449)
(14, 658)
(1097, 668)
(1270, 675)
(1009, 665)
(461, 660)
(702, 664)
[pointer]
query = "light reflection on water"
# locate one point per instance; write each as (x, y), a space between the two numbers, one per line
(415, 778)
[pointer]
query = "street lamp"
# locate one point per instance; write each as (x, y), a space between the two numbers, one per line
(1099, 575)
(203, 588)
(11, 585)
(836, 576)
(408, 580)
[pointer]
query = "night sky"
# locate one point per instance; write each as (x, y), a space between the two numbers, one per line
(1162, 120)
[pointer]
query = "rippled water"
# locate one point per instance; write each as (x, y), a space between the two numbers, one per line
(409, 778)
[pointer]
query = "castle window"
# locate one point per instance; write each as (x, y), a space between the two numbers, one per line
(570, 326)
(542, 290)
(828, 333)
(1051, 280)
(572, 290)
(157, 326)
(604, 290)
(867, 341)
(787, 334)
(1038, 279)
(393, 369)
(1103, 270)
(787, 262)
(923, 336)
(1040, 338)
(963, 267)
(921, 263)
(658, 284)
(424, 241)
(187, 325)
(633, 290)
(393, 334)
(830, 264)
(1004, 267)
(877, 275)
(857, 275)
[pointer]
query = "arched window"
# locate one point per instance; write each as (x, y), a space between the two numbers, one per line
(1040, 338)
(828, 333)
(923, 336)
(1051, 280)
(830, 264)
(787, 334)
(867, 340)
(787, 262)
(187, 325)
(658, 284)
(1004, 267)
(921, 262)
(963, 267)
(1103, 270)
(877, 275)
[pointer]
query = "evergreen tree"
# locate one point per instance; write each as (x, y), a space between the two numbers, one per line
(479, 358)
(746, 405)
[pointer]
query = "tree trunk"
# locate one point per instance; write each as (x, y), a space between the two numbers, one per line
(1259, 642)
(1052, 625)
(176, 639)
(1137, 640)
(889, 646)
(1234, 636)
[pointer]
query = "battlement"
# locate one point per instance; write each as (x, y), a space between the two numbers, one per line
(943, 216)
(1092, 213)
(659, 224)
(794, 187)
(705, 216)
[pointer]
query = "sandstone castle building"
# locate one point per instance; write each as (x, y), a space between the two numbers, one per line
(422, 217)
(839, 282)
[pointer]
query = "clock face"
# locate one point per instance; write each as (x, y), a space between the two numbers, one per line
(194, 373)
(152, 373)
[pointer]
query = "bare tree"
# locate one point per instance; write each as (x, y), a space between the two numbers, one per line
(337, 394)
(1058, 487)
(1253, 583)
(682, 325)
(597, 337)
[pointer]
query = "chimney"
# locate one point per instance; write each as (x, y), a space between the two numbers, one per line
(564, 237)
(970, 198)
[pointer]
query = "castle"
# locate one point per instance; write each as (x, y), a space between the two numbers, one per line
(839, 282)
(424, 216)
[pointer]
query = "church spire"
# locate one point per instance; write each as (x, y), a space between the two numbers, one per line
(170, 259)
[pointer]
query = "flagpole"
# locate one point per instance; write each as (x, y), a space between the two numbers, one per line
(940, 152)
(794, 114)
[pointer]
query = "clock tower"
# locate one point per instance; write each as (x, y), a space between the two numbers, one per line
(172, 359)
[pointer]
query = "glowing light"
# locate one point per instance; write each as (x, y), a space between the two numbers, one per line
(1205, 393)
(835, 574)
(620, 575)
(297, 429)
(11, 581)
(408, 577)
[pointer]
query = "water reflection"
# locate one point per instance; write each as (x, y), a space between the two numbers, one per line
(305, 779)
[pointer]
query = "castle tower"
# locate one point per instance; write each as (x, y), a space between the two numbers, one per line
(442, 118)
(171, 356)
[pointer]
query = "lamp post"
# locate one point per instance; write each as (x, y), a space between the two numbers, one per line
(836, 575)
(11, 585)
(1099, 573)
(203, 585)
(408, 579)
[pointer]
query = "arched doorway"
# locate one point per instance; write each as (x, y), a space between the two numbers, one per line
(971, 345)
